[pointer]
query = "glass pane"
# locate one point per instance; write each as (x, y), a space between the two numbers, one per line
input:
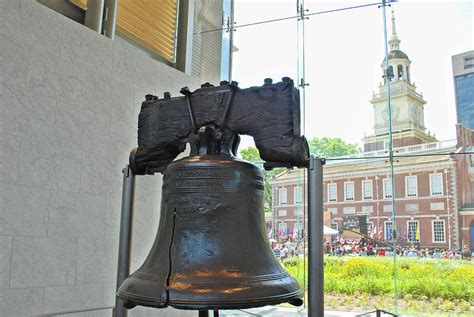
(395, 217)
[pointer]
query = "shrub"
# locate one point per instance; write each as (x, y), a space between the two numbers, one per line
(425, 279)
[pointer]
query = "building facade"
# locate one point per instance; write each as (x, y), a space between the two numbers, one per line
(70, 98)
(463, 73)
(431, 182)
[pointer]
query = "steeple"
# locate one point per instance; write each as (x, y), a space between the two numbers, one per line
(394, 40)
(407, 105)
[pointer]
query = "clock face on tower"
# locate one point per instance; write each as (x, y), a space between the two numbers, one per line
(395, 113)
(415, 113)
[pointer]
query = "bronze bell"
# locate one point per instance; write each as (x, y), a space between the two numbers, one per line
(211, 251)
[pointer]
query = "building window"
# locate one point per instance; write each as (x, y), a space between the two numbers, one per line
(332, 192)
(413, 231)
(411, 186)
(436, 184)
(156, 31)
(298, 195)
(349, 191)
(282, 196)
(387, 230)
(335, 226)
(367, 190)
(438, 231)
(387, 188)
(400, 71)
(282, 213)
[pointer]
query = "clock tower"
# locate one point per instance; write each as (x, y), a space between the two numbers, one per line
(408, 126)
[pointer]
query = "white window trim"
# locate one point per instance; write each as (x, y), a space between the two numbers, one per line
(353, 191)
(294, 194)
(280, 203)
(335, 186)
(282, 211)
(419, 231)
(385, 230)
(363, 189)
(406, 185)
(431, 185)
(385, 188)
(433, 233)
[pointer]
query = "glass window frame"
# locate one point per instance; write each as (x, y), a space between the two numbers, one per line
(387, 182)
(366, 181)
(432, 193)
(386, 235)
(281, 201)
(329, 192)
(296, 190)
(433, 233)
(408, 194)
(346, 198)
(408, 231)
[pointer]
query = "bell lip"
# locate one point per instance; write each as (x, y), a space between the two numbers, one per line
(238, 304)
(198, 305)
(141, 300)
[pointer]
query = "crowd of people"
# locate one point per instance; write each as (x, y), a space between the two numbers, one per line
(287, 247)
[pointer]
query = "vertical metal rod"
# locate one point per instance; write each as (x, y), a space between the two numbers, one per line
(126, 220)
(390, 153)
(315, 238)
(110, 18)
(94, 15)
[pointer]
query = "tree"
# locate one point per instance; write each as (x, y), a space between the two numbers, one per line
(323, 147)
(331, 147)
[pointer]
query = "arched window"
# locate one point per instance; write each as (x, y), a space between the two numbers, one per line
(390, 73)
(400, 71)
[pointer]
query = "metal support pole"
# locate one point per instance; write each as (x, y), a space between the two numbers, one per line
(126, 220)
(315, 238)
(94, 15)
(110, 18)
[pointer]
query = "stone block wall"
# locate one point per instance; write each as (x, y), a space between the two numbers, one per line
(69, 102)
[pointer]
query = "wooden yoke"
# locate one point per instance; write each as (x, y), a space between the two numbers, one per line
(269, 113)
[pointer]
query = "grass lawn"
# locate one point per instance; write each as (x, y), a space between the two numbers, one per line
(431, 286)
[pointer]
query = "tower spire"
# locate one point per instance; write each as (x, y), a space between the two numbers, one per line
(394, 40)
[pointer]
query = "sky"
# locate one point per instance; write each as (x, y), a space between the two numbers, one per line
(343, 54)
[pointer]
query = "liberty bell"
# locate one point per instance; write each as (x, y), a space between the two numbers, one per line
(211, 250)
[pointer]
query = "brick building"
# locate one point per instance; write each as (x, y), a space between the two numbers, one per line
(433, 182)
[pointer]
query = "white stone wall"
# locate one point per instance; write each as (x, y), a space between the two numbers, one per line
(69, 101)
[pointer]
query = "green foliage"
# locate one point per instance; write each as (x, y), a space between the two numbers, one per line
(293, 261)
(439, 280)
(331, 147)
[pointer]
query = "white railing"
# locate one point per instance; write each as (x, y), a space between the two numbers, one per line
(397, 88)
(412, 149)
